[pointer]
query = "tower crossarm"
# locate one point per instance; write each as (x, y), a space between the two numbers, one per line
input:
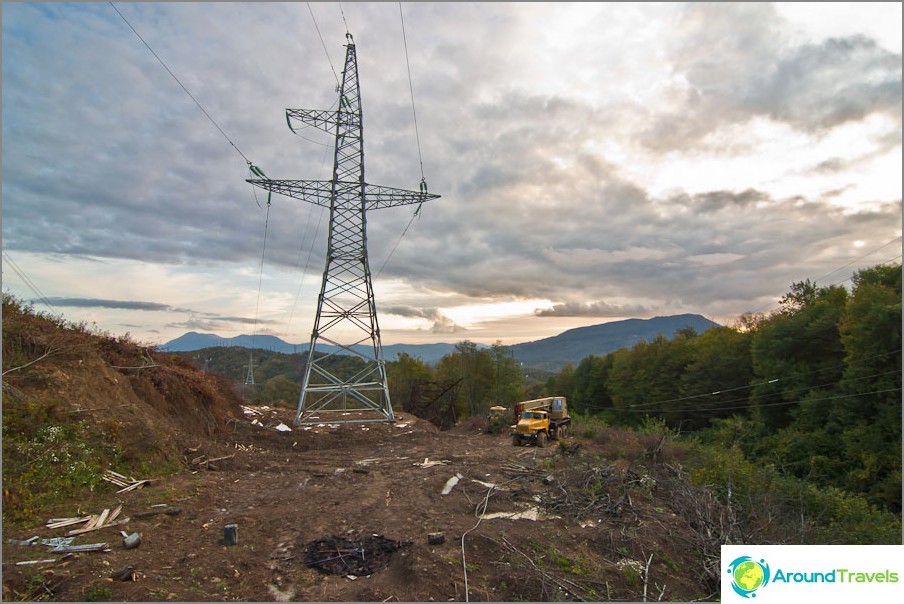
(319, 192)
(325, 120)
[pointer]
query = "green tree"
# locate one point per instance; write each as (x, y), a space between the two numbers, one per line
(645, 379)
(402, 373)
(870, 412)
(477, 371)
(561, 384)
(589, 391)
(795, 351)
(508, 380)
(281, 390)
(715, 382)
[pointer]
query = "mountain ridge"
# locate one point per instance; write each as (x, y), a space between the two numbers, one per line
(550, 353)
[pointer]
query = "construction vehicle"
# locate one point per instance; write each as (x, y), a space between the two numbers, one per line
(540, 420)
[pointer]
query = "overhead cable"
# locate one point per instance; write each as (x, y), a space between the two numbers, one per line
(191, 96)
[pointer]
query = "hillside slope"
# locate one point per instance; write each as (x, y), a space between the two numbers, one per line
(573, 345)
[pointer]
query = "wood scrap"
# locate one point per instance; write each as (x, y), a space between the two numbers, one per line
(61, 522)
(168, 511)
(95, 524)
(135, 485)
(207, 463)
(126, 483)
(88, 547)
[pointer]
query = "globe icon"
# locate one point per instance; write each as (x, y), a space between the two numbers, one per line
(748, 575)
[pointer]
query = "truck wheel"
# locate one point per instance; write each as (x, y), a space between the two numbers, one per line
(516, 440)
(541, 439)
(556, 434)
(563, 431)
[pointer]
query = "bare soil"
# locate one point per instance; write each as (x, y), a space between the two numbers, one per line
(285, 490)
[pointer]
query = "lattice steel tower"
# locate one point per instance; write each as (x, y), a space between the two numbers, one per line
(346, 301)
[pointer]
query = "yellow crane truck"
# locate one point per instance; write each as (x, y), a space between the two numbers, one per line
(540, 420)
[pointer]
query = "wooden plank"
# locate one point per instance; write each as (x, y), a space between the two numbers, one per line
(61, 524)
(88, 547)
(114, 514)
(88, 530)
(103, 517)
(114, 479)
(221, 458)
(133, 486)
(93, 522)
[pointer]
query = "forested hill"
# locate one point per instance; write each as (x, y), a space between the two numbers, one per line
(551, 354)
(573, 345)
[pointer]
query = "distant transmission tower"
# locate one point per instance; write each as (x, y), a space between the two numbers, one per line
(346, 319)
(249, 378)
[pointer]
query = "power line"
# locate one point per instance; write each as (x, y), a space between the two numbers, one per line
(411, 88)
(719, 406)
(169, 71)
(323, 43)
(852, 262)
(773, 381)
(417, 137)
(780, 404)
(29, 283)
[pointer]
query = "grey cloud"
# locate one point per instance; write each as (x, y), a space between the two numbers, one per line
(206, 318)
(123, 304)
(821, 86)
(441, 323)
(739, 62)
(591, 309)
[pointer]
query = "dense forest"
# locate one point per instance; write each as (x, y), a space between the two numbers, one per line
(802, 403)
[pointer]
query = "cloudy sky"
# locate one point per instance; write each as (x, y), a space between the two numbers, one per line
(596, 161)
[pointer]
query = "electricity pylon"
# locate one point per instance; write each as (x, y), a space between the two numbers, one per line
(346, 300)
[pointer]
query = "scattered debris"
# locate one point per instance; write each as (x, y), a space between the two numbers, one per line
(450, 484)
(61, 522)
(436, 538)
(207, 463)
(166, 510)
(341, 556)
(24, 562)
(29, 541)
(231, 534)
(283, 428)
(126, 573)
(429, 464)
(128, 484)
(130, 541)
(57, 541)
(103, 520)
(88, 547)
(488, 485)
(531, 513)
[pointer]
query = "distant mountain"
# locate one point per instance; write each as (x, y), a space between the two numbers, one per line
(429, 353)
(550, 354)
(573, 345)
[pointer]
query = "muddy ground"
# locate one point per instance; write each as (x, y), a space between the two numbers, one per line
(345, 483)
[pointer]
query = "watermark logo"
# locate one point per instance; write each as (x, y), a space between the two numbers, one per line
(748, 575)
